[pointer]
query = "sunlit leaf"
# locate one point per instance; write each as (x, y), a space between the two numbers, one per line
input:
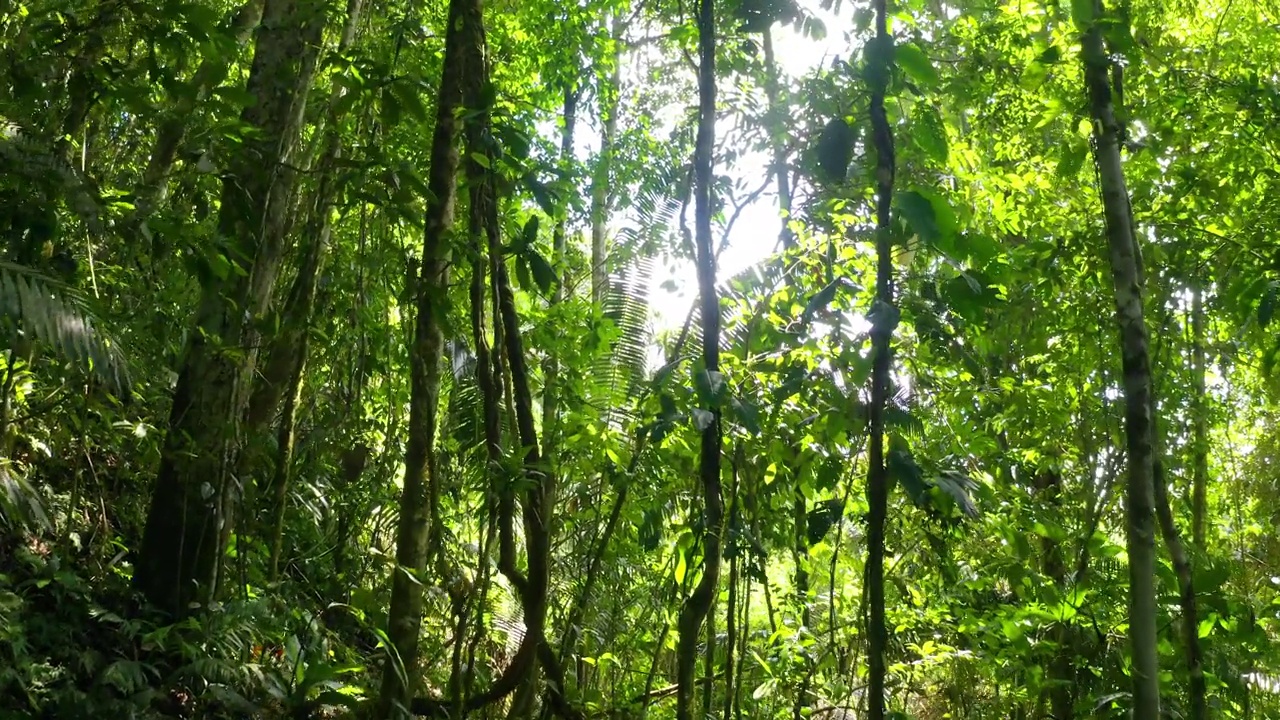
(912, 59)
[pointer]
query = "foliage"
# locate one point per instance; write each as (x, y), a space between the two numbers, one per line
(167, 236)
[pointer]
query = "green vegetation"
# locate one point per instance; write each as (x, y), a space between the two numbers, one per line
(616, 359)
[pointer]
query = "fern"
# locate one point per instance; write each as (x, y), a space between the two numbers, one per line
(54, 314)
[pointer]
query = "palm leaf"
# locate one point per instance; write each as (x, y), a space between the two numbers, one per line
(618, 376)
(54, 314)
(20, 505)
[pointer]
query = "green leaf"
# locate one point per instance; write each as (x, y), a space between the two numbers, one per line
(959, 486)
(905, 471)
(682, 567)
(410, 101)
(821, 519)
(542, 194)
(915, 63)
(1082, 12)
(747, 415)
(823, 298)
(1267, 308)
(543, 273)
(930, 217)
(835, 149)
(930, 133)
(389, 110)
(529, 234)
(1072, 159)
(480, 159)
(523, 278)
(710, 386)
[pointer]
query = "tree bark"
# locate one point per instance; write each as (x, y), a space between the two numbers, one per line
(164, 153)
(1126, 275)
(777, 133)
(1199, 422)
(421, 490)
(600, 180)
(178, 559)
(699, 602)
(800, 557)
(883, 323)
(551, 366)
(1197, 704)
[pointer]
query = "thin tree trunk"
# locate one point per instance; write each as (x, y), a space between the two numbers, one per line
(286, 365)
(1126, 275)
(421, 487)
(284, 464)
(1197, 707)
(709, 662)
(699, 602)
(551, 366)
(600, 194)
(178, 559)
(800, 557)
(1196, 701)
(731, 608)
(1199, 423)
(532, 586)
(1061, 669)
(778, 133)
(881, 334)
(212, 70)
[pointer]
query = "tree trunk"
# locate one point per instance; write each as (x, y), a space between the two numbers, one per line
(1048, 484)
(777, 134)
(800, 557)
(697, 605)
(884, 319)
(421, 491)
(283, 373)
(178, 558)
(731, 609)
(1199, 422)
(600, 194)
(1126, 275)
(1197, 707)
(212, 70)
(551, 366)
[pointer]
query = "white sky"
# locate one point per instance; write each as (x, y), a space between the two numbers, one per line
(755, 234)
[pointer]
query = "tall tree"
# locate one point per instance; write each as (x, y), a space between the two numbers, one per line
(699, 602)
(178, 560)
(420, 496)
(884, 318)
(1126, 275)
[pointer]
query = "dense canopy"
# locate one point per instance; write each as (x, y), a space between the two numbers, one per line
(639, 358)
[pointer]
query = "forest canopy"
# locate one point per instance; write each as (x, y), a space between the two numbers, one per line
(639, 358)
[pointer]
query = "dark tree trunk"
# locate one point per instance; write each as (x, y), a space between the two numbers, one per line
(178, 559)
(885, 318)
(699, 602)
(1126, 275)
(421, 490)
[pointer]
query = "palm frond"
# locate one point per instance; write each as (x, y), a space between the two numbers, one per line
(36, 163)
(54, 314)
(619, 375)
(21, 506)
